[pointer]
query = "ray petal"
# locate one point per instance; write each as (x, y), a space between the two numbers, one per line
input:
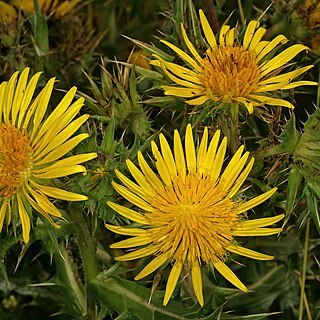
(208, 33)
(201, 156)
(155, 264)
(172, 281)
(190, 150)
(227, 273)
(250, 31)
(248, 253)
(183, 55)
(190, 45)
(128, 213)
(258, 223)
(197, 282)
(127, 231)
(132, 242)
(131, 197)
(3, 211)
(25, 220)
(179, 155)
(137, 254)
(167, 155)
(255, 201)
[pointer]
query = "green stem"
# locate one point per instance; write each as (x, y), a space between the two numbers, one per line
(86, 243)
(304, 269)
(66, 271)
(234, 128)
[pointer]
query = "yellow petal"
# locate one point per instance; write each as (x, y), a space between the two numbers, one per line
(190, 45)
(137, 254)
(150, 176)
(183, 55)
(197, 282)
(167, 155)
(256, 38)
(223, 34)
(255, 201)
(62, 149)
(128, 213)
(131, 197)
(208, 33)
(28, 94)
(68, 162)
(172, 281)
(25, 220)
(281, 59)
(198, 101)
(10, 93)
(140, 178)
(3, 211)
(248, 253)
(281, 39)
(160, 164)
(42, 107)
(218, 160)
(201, 156)
(132, 242)
(19, 92)
(250, 31)
(182, 92)
(44, 203)
(211, 153)
(258, 223)
(60, 172)
(256, 232)
(230, 37)
(61, 194)
(190, 150)
(155, 264)
(179, 155)
(131, 185)
(127, 231)
(237, 185)
(227, 273)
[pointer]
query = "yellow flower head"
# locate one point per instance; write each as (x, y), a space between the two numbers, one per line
(188, 212)
(231, 71)
(31, 146)
(58, 7)
(8, 14)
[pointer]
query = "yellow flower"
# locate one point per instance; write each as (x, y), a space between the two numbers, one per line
(31, 146)
(8, 14)
(189, 213)
(231, 71)
(58, 7)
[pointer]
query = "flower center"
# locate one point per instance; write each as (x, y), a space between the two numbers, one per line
(16, 160)
(193, 219)
(230, 72)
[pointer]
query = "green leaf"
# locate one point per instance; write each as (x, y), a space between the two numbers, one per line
(127, 296)
(290, 136)
(313, 210)
(108, 144)
(294, 181)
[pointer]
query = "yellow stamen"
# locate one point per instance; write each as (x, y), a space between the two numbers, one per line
(230, 72)
(16, 159)
(193, 219)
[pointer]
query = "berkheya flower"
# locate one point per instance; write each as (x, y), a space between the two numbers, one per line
(57, 7)
(231, 71)
(31, 147)
(189, 213)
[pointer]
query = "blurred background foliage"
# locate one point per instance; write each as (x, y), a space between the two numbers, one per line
(103, 47)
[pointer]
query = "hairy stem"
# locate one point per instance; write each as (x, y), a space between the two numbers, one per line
(304, 269)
